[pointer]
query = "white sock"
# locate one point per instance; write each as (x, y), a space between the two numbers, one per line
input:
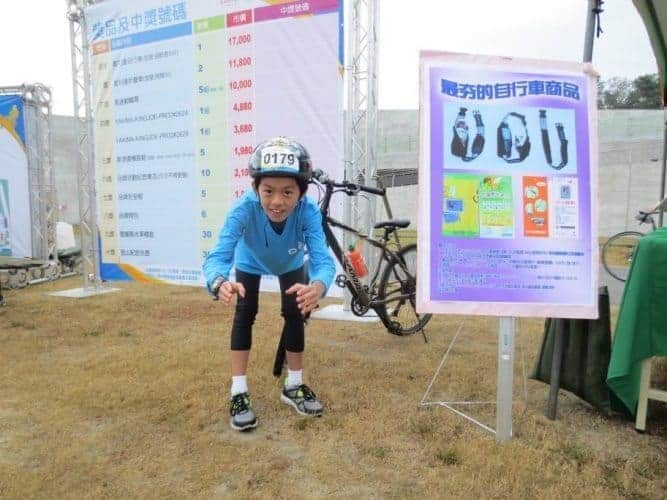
(294, 378)
(239, 384)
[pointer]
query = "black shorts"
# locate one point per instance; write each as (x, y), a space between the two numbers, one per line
(246, 310)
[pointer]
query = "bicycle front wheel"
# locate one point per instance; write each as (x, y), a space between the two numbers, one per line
(397, 289)
(618, 252)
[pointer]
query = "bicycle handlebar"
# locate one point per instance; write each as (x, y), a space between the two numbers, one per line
(644, 216)
(350, 187)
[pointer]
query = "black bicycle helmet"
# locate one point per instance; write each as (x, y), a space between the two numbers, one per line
(281, 157)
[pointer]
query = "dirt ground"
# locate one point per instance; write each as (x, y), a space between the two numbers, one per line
(125, 395)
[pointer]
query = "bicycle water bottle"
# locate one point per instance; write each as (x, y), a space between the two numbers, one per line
(357, 261)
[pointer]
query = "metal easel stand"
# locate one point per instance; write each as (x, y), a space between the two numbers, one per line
(504, 393)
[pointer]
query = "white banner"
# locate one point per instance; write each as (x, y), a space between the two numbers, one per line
(183, 91)
(15, 224)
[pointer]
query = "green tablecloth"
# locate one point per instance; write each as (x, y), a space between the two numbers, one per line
(641, 328)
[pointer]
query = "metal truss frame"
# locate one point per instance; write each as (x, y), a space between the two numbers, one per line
(361, 110)
(83, 117)
(41, 176)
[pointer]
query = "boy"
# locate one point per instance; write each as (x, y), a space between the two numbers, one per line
(266, 232)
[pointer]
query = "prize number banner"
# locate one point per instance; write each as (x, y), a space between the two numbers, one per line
(182, 92)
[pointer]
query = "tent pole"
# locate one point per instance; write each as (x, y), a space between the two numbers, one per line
(590, 30)
(664, 167)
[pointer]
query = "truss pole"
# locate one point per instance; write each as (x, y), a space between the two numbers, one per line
(37, 98)
(35, 185)
(362, 89)
(361, 110)
(85, 159)
(50, 205)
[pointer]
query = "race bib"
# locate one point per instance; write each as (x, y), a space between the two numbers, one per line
(280, 157)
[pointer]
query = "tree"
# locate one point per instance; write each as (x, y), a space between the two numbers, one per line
(641, 93)
(645, 93)
(600, 85)
(616, 92)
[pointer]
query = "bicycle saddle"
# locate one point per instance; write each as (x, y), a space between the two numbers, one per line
(393, 223)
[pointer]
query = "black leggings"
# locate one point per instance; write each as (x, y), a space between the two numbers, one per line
(246, 310)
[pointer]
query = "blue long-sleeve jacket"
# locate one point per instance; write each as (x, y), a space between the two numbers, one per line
(249, 242)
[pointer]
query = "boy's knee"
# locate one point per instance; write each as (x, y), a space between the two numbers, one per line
(292, 314)
(245, 312)
(295, 343)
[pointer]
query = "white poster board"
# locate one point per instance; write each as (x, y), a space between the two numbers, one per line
(507, 187)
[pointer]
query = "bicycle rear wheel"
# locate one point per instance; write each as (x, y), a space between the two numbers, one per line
(398, 286)
(618, 252)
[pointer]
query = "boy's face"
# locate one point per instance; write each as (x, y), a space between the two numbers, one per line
(278, 196)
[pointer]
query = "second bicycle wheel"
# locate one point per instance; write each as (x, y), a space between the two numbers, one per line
(398, 286)
(618, 252)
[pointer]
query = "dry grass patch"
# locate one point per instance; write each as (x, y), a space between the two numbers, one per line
(126, 395)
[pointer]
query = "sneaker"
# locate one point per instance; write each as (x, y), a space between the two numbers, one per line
(243, 417)
(302, 399)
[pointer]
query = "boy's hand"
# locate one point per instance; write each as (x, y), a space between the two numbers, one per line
(228, 289)
(307, 296)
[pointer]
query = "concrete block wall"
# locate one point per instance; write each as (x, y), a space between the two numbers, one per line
(629, 174)
(64, 154)
(629, 180)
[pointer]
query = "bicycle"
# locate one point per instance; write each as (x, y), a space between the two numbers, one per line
(619, 250)
(392, 284)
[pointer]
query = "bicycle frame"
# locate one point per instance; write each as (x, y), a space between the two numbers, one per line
(353, 282)
(363, 294)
